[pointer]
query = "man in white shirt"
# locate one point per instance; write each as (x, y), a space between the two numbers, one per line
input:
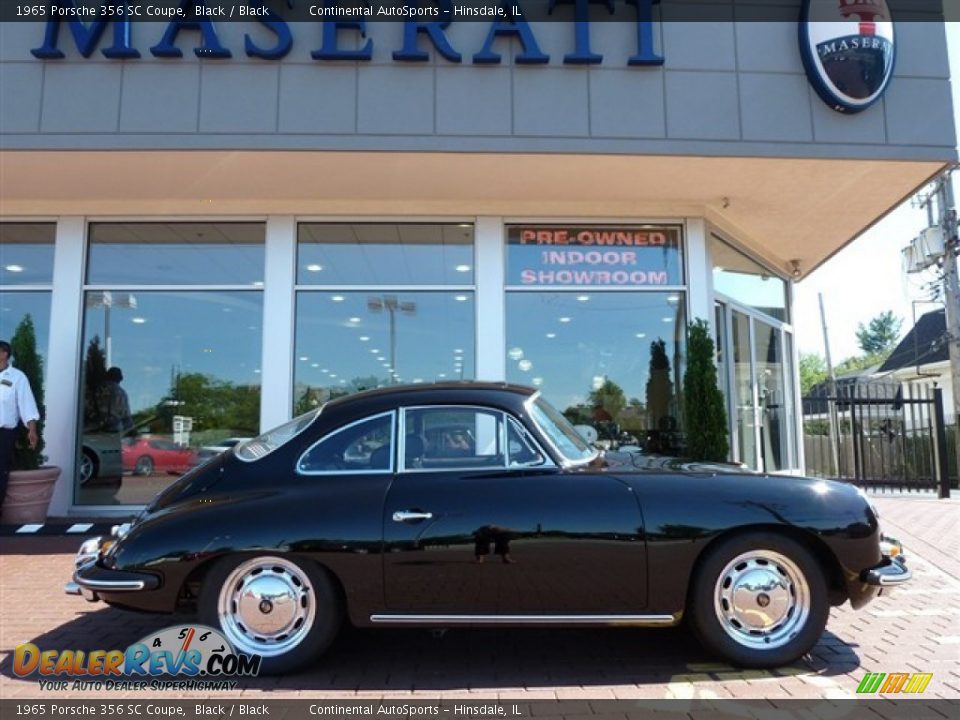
(17, 405)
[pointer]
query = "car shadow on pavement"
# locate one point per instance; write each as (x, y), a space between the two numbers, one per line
(398, 660)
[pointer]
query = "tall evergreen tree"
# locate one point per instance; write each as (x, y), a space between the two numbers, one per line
(27, 360)
(704, 408)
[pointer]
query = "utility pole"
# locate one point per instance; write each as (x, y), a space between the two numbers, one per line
(951, 291)
(834, 438)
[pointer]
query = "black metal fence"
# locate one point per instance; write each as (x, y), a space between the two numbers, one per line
(880, 435)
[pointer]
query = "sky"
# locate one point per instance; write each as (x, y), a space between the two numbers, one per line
(865, 279)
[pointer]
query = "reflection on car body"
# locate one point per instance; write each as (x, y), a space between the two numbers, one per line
(358, 510)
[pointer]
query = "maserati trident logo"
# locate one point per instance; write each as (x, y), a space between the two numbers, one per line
(848, 51)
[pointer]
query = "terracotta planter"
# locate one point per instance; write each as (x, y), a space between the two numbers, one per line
(28, 495)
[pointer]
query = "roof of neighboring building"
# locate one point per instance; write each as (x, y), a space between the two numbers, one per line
(925, 343)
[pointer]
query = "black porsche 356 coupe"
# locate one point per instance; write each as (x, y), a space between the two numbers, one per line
(479, 504)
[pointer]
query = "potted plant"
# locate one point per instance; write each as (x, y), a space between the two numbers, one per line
(31, 482)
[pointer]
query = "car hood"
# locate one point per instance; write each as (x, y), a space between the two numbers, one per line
(638, 461)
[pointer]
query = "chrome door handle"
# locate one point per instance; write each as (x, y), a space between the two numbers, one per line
(408, 515)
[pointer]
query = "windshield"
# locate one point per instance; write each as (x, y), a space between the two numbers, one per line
(561, 434)
(262, 445)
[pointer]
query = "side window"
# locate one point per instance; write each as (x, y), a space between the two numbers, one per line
(363, 446)
(444, 438)
(521, 449)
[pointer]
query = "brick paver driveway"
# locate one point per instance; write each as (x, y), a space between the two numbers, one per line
(916, 629)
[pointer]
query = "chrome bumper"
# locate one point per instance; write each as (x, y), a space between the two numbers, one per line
(90, 578)
(893, 570)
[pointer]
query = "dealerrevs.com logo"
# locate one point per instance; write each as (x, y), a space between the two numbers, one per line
(187, 657)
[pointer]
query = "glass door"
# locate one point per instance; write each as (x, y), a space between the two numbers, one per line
(754, 369)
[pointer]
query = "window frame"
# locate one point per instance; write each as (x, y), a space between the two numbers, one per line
(506, 417)
(343, 428)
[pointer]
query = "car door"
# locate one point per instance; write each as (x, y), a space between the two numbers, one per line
(479, 520)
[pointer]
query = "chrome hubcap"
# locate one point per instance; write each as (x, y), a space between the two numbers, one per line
(266, 606)
(762, 599)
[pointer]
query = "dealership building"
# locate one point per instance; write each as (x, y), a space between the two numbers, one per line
(249, 218)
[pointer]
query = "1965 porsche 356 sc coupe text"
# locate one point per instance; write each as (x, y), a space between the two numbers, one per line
(478, 504)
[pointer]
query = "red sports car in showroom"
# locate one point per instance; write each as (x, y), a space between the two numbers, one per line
(146, 455)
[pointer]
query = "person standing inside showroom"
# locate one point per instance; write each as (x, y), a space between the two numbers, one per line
(17, 405)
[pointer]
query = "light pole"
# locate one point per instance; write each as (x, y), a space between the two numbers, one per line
(390, 304)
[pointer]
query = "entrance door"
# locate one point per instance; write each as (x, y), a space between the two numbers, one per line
(759, 388)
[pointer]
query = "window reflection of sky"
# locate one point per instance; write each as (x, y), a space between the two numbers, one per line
(563, 342)
(26, 253)
(213, 333)
(338, 333)
(744, 280)
(385, 254)
(176, 254)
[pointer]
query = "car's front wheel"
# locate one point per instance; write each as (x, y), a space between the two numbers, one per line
(759, 600)
(286, 611)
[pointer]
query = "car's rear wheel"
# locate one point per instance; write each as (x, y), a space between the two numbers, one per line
(759, 600)
(287, 611)
(144, 465)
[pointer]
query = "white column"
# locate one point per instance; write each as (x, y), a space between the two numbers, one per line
(491, 311)
(700, 273)
(276, 366)
(63, 359)
(794, 369)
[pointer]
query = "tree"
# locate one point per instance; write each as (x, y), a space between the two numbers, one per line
(813, 370)
(659, 386)
(705, 415)
(23, 346)
(610, 397)
(94, 375)
(880, 335)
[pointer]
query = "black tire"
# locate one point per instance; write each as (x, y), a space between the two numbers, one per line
(797, 583)
(144, 465)
(326, 619)
(89, 466)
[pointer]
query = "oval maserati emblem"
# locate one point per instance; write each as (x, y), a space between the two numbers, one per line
(848, 50)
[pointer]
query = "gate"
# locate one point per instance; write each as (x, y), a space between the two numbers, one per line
(880, 435)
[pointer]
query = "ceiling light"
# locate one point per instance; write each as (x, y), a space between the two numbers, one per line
(537, 381)
(314, 364)
(462, 268)
(461, 298)
(333, 375)
(794, 268)
(673, 299)
(551, 335)
(583, 298)
(564, 319)
(258, 283)
(525, 365)
(515, 353)
(668, 319)
(13, 268)
(138, 320)
(337, 298)
(641, 335)
(353, 320)
(313, 267)
(442, 375)
(364, 338)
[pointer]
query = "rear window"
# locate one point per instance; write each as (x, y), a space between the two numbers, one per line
(269, 441)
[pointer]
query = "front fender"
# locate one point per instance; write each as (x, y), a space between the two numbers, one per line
(684, 513)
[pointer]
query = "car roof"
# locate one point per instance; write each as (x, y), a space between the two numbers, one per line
(455, 391)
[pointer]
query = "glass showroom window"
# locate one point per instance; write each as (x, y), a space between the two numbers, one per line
(596, 318)
(379, 304)
(172, 347)
(26, 275)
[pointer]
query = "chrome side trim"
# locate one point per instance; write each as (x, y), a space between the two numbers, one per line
(109, 585)
(642, 620)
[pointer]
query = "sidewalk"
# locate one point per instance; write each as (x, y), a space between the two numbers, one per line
(914, 629)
